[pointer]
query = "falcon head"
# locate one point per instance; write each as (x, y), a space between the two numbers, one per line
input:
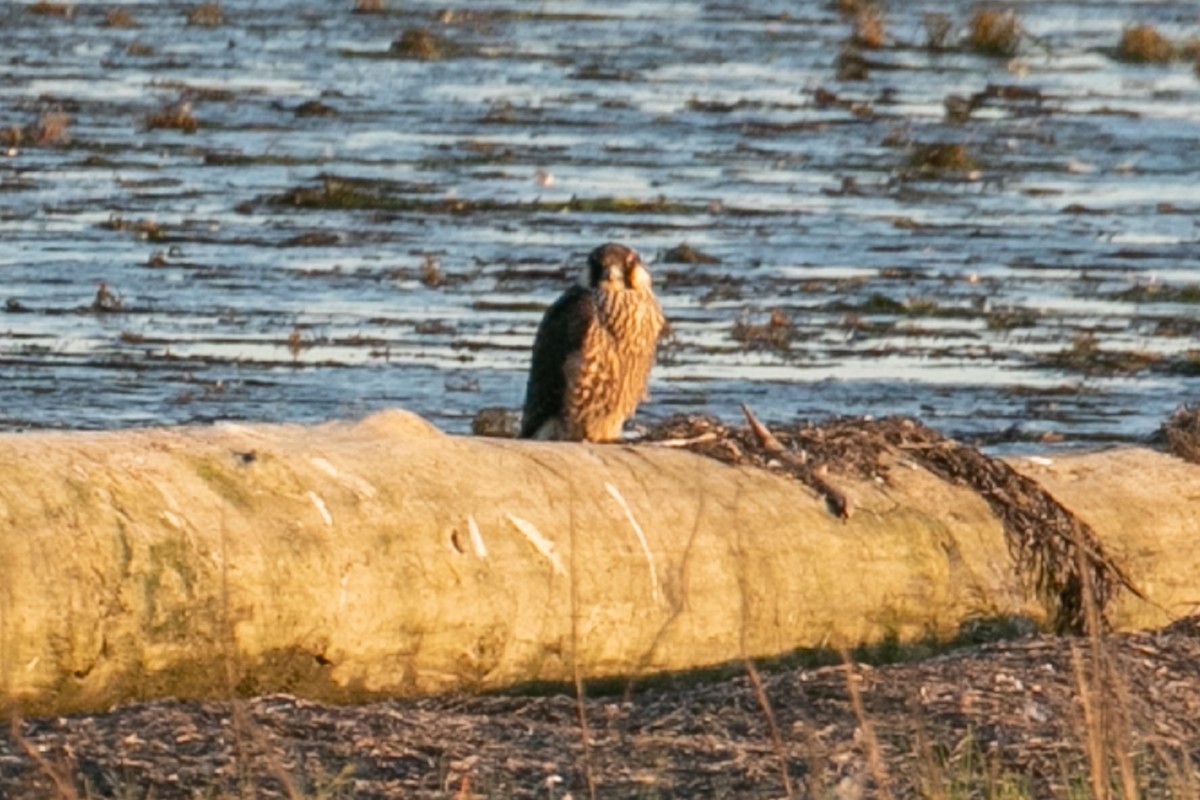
(615, 267)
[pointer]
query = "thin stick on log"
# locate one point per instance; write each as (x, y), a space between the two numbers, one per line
(837, 501)
(762, 432)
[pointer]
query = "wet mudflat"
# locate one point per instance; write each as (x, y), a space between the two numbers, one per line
(296, 211)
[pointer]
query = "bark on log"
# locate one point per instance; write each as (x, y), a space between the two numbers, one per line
(350, 561)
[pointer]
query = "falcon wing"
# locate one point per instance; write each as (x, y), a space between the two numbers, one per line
(559, 335)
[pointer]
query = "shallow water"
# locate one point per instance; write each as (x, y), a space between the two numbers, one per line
(1048, 291)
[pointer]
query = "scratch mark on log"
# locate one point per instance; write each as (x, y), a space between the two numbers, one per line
(641, 535)
(321, 509)
(360, 487)
(540, 543)
(476, 537)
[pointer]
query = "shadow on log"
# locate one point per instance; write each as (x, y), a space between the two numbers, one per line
(352, 561)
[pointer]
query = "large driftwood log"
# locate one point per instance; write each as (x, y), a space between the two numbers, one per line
(349, 561)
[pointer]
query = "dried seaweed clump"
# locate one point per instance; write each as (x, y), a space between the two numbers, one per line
(1070, 572)
(106, 300)
(1143, 44)
(314, 108)
(941, 157)
(686, 254)
(850, 65)
(1182, 432)
(995, 32)
(207, 15)
(420, 44)
(174, 115)
(775, 334)
(49, 130)
(851, 7)
(869, 30)
(1073, 575)
(47, 9)
(496, 422)
(118, 18)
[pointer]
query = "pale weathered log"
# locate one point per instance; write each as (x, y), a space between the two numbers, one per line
(349, 561)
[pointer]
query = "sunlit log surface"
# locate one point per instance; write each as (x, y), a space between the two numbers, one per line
(350, 561)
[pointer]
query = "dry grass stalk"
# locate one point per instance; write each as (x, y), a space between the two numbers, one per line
(1143, 44)
(245, 732)
(585, 734)
(1182, 780)
(934, 779)
(994, 32)
(63, 786)
(1104, 701)
(869, 739)
(816, 755)
(1093, 730)
(764, 704)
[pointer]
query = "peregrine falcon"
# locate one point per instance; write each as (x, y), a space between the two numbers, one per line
(593, 352)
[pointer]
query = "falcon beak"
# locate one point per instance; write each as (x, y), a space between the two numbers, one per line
(637, 276)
